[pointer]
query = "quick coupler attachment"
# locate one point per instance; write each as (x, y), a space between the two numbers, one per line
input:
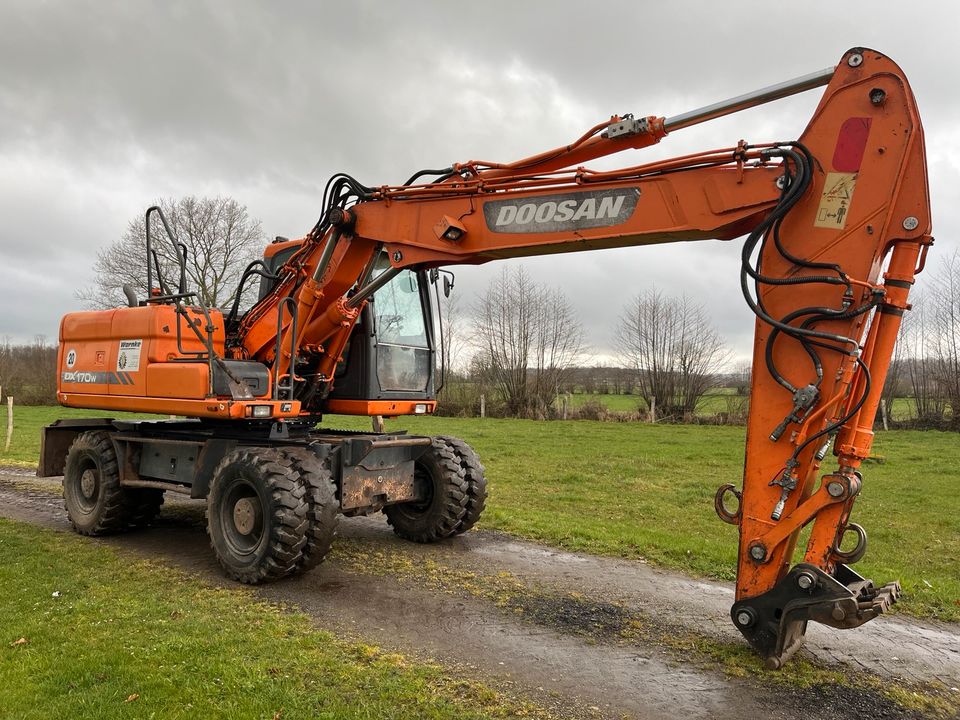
(775, 622)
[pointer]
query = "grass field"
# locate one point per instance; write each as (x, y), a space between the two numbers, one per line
(87, 634)
(720, 400)
(646, 491)
(25, 446)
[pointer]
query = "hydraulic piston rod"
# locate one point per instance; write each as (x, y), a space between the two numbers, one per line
(750, 99)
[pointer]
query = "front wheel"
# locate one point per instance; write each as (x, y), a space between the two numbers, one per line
(257, 515)
(473, 472)
(440, 478)
(323, 508)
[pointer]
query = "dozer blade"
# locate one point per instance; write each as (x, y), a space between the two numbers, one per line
(775, 623)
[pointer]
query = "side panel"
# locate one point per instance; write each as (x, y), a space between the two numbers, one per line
(107, 352)
(177, 380)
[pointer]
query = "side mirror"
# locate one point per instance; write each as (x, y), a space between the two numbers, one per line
(448, 279)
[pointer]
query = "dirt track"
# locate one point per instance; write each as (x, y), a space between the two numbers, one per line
(553, 626)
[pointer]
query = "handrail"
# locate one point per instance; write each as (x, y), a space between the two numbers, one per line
(178, 248)
(278, 385)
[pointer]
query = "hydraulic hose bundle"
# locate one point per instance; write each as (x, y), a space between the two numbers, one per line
(797, 178)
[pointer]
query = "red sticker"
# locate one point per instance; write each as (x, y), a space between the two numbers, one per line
(851, 144)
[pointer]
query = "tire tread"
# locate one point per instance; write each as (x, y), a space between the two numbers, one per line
(287, 510)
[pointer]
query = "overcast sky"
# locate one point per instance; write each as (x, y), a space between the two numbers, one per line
(105, 107)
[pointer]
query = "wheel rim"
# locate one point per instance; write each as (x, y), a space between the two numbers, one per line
(241, 517)
(88, 485)
(422, 477)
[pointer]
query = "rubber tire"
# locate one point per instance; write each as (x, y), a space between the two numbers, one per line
(440, 515)
(274, 481)
(145, 504)
(323, 508)
(474, 472)
(109, 513)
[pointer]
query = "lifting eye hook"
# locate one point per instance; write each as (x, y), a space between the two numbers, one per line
(849, 557)
(732, 518)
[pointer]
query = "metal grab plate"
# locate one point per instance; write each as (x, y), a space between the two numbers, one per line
(361, 487)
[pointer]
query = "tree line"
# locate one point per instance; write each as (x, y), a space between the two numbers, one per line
(670, 355)
(520, 344)
(28, 372)
(926, 366)
(526, 348)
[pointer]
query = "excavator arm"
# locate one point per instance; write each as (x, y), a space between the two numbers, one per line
(837, 223)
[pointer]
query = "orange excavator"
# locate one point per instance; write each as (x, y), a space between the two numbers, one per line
(837, 224)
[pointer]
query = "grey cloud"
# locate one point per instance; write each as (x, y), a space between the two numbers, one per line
(106, 106)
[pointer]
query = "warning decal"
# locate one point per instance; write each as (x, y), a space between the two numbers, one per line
(128, 359)
(835, 201)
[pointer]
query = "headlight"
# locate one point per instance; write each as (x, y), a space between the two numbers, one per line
(420, 408)
(261, 411)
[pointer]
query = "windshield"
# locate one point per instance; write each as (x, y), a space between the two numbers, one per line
(399, 312)
(403, 354)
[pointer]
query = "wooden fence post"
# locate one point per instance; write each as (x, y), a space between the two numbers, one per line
(483, 405)
(653, 409)
(564, 404)
(883, 415)
(9, 422)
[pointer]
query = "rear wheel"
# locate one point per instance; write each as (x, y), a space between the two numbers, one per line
(257, 515)
(95, 502)
(440, 476)
(473, 472)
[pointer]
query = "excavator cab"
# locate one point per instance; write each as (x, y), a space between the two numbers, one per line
(389, 365)
(392, 348)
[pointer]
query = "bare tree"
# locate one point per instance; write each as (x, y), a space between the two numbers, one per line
(673, 348)
(29, 372)
(454, 341)
(221, 239)
(742, 377)
(458, 395)
(528, 338)
(946, 325)
(918, 348)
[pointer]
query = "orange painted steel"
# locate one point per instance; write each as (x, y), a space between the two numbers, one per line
(868, 195)
(386, 408)
(889, 207)
(215, 408)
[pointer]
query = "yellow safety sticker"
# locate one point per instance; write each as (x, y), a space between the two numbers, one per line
(835, 201)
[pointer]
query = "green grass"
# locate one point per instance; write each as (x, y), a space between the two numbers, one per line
(646, 491)
(719, 400)
(710, 404)
(614, 402)
(27, 422)
(104, 637)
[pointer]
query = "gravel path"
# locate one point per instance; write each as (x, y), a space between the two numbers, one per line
(540, 650)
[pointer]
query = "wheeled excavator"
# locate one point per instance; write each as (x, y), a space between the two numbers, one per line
(836, 225)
